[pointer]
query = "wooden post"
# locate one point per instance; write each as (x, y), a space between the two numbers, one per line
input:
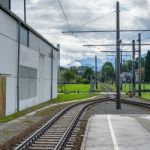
(2, 96)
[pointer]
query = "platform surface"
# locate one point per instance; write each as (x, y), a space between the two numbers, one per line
(117, 132)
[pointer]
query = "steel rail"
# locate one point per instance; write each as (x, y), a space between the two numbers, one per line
(72, 125)
(146, 105)
(141, 104)
(42, 130)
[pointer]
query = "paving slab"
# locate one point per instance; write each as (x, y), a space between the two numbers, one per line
(117, 132)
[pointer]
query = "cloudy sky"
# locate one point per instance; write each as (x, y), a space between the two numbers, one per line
(47, 18)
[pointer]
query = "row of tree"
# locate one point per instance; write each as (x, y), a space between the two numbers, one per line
(83, 74)
(108, 73)
(76, 74)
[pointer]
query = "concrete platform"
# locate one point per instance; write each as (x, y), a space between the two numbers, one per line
(117, 132)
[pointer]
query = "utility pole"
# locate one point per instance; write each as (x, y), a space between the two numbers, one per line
(133, 68)
(118, 105)
(25, 11)
(96, 72)
(139, 63)
(121, 61)
(121, 68)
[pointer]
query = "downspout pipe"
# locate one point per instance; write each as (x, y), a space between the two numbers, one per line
(52, 70)
(18, 65)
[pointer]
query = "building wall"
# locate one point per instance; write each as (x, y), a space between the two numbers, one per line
(5, 3)
(55, 71)
(35, 65)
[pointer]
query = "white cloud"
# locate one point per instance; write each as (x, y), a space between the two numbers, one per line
(46, 17)
(34, 1)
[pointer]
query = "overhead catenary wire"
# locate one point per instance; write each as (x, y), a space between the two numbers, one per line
(91, 21)
(126, 12)
(61, 6)
(135, 35)
(146, 38)
(74, 33)
(64, 15)
(67, 22)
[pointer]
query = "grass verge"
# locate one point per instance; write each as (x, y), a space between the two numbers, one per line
(59, 99)
(145, 95)
(74, 88)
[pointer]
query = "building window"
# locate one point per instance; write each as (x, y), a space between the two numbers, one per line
(27, 82)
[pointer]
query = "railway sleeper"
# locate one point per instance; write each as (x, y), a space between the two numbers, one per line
(53, 135)
(47, 138)
(41, 148)
(56, 133)
(46, 142)
(43, 145)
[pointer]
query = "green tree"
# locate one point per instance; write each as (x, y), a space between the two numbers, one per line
(68, 76)
(124, 67)
(129, 65)
(147, 67)
(142, 62)
(107, 71)
(88, 72)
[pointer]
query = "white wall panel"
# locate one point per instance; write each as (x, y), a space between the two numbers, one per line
(41, 76)
(29, 57)
(45, 48)
(8, 56)
(34, 41)
(8, 25)
(47, 66)
(55, 73)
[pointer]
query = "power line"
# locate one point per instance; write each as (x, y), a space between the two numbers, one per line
(63, 12)
(146, 38)
(134, 35)
(61, 6)
(137, 18)
(89, 22)
(109, 45)
(64, 15)
(133, 15)
(108, 31)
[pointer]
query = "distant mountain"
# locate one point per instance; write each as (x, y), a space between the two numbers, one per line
(143, 55)
(90, 62)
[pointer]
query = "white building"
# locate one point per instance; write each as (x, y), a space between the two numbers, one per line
(28, 64)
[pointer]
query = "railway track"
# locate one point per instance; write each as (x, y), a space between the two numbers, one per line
(136, 103)
(59, 132)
